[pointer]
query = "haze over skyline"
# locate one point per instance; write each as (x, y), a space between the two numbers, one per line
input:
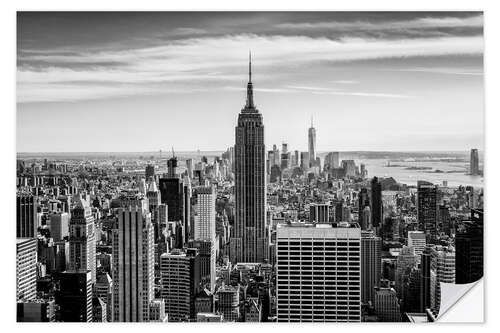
(96, 82)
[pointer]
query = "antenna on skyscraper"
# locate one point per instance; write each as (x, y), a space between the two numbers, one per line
(249, 65)
(173, 152)
(312, 121)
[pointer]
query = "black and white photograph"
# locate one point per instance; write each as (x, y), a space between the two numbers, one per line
(248, 166)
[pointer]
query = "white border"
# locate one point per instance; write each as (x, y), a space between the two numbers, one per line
(8, 70)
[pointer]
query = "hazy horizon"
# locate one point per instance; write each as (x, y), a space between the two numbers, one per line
(138, 82)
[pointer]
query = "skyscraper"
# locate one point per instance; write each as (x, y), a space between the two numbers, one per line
(371, 248)
(376, 206)
(416, 239)
(249, 242)
(82, 243)
(319, 213)
(26, 209)
(469, 257)
(312, 144)
(180, 279)
(304, 160)
(331, 161)
(204, 219)
(474, 162)
(172, 194)
(26, 259)
(318, 272)
(427, 207)
(133, 262)
(75, 296)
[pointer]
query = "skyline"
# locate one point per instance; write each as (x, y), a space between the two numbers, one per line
(327, 65)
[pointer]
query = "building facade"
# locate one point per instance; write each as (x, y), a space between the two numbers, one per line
(318, 272)
(249, 241)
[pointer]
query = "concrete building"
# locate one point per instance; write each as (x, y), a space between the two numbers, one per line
(249, 242)
(318, 272)
(229, 303)
(416, 239)
(26, 260)
(133, 247)
(371, 248)
(59, 226)
(36, 310)
(75, 296)
(180, 282)
(319, 213)
(82, 239)
(386, 305)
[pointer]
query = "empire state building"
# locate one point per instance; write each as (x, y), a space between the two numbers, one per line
(249, 241)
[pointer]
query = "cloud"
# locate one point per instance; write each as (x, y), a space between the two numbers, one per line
(204, 63)
(419, 23)
(450, 71)
(329, 91)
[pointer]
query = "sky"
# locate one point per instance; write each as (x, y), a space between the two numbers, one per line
(144, 81)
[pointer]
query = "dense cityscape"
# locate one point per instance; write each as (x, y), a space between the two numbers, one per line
(245, 236)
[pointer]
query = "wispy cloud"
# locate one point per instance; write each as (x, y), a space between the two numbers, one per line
(419, 23)
(330, 91)
(178, 65)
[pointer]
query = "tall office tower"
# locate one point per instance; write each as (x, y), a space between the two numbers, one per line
(331, 161)
(318, 272)
(365, 219)
(207, 253)
(150, 172)
(371, 265)
(312, 144)
(133, 262)
(180, 282)
(59, 226)
(386, 305)
(269, 161)
(362, 170)
(26, 259)
(407, 259)
(229, 303)
(276, 153)
(188, 232)
(204, 232)
(376, 206)
(363, 201)
(469, 249)
(82, 243)
(285, 157)
(154, 200)
(75, 296)
(319, 213)
(172, 194)
(416, 239)
(427, 277)
(443, 264)
(444, 218)
(427, 207)
(204, 219)
(26, 209)
(349, 167)
(474, 162)
(304, 160)
(104, 290)
(249, 241)
(296, 158)
(189, 167)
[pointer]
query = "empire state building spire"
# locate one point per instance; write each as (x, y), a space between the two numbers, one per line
(249, 104)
